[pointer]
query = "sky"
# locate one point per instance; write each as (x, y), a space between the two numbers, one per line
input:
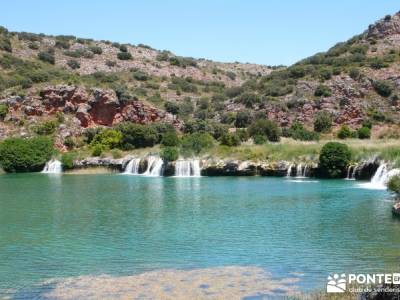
(270, 32)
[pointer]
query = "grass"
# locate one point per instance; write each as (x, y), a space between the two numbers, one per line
(292, 150)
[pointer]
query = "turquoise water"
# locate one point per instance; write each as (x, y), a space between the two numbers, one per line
(71, 225)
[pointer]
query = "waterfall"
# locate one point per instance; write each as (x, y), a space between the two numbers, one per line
(53, 167)
(381, 177)
(305, 171)
(132, 168)
(289, 170)
(187, 168)
(351, 172)
(154, 166)
(299, 170)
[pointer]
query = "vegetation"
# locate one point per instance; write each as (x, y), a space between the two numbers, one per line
(196, 143)
(137, 136)
(67, 160)
(47, 57)
(3, 111)
(333, 160)
(394, 184)
(46, 128)
(169, 153)
(25, 155)
(124, 56)
(269, 129)
(364, 133)
(322, 122)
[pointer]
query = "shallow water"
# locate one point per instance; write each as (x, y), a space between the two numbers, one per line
(64, 226)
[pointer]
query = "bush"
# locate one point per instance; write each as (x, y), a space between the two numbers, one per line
(137, 136)
(169, 153)
(47, 57)
(69, 142)
(383, 88)
(108, 138)
(322, 122)
(333, 160)
(25, 155)
(3, 111)
(97, 150)
(96, 50)
(46, 128)
(259, 139)
(67, 160)
(364, 133)
(394, 184)
(116, 153)
(171, 107)
(243, 119)
(322, 90)
(140, 75)
(354, 73)
(73, 64)
(197, 142)
(266, 128)
(248, 99)
(123, 48)
(230, 139)
(344, 132)
(298, 132)
(124, 56)
(170, 139)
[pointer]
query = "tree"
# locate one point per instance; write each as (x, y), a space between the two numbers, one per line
(267, 128)
(230, 139)
(170, 139)
(197, 142)
(298, 132)
(137, 136)
(322, 122)
(333, 160)
(25, 155)
(108, 138)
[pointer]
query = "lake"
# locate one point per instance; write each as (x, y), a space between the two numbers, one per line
(56, 227)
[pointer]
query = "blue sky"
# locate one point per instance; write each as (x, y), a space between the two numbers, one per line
(268, 32)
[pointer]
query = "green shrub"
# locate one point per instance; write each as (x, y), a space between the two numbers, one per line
(108, 138)
(344, 132)
(354, 73)
(196, 142)
(367, 123)
(46, 128)
(3, 111)
(170, 139)
(171, 107)
(110, 63)
(394, 184)
(248, 99)
(243, 119)
(333, 160)
(298, 132)
(47, 57)
(140, 75)
(124, 56)
(364, 133)
(383, 88)
(97, 150)
(230, 139)
(67, 160)
(169, 153)
(116, 153)
(96, 50)
(231, 75)
(266, 128)
(5, 43)
(73, 64)
(322, 122)
(137, 136)
(123, 48)
(69, 142)
(259, 139)
(322, 90)
(25, 155)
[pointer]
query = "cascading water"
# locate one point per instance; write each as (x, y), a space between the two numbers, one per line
(154, 166)
(351, 172)
(187, 168)
(289, 170)
(53, 166)
(132, 168)
(381, 177)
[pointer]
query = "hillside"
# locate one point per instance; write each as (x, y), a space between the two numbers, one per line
(72, 83)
